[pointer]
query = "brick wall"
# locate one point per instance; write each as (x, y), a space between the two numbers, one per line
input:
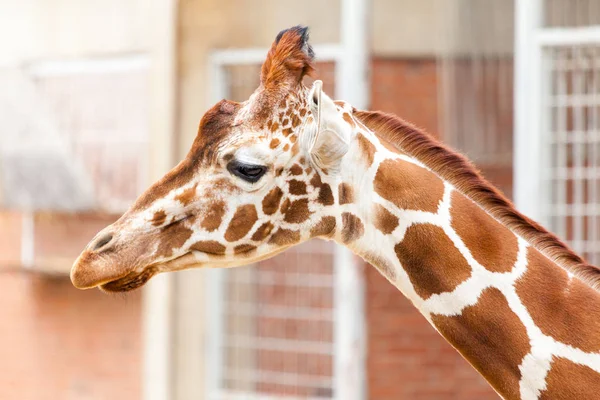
(59, 342)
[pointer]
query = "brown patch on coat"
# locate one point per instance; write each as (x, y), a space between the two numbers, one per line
(432, 262)
(274, 143)
(408, 186)
(297, 187)
(492, 338)
(209, 247)
(325, 195)
(244, 248)
(352, 227)
(214, 216)
(384, 220)
(287, 131)
(297, 212)
(295, 120)
(345, 193)
(274, 127)
(286, 147)
(324, 228)
(284, 237)
(566, 309)
(295, 147)
(187, 196)
(568, 380)
(296, 170)
(348, 119)
(367, 149)
(243, 220)
(285, 205)
(159, 218)
(262, 232)
(315, 181)
(172, 237)
(491, 244)
(270, 203)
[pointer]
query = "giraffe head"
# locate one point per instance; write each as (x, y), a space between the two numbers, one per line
(257, 180)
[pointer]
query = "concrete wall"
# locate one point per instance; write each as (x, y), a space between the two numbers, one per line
(36, 29)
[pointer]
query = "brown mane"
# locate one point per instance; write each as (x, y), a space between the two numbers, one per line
(458, 171)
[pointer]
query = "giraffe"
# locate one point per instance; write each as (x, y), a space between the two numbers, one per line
(290, 164)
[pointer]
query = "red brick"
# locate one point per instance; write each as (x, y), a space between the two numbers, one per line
(60, 343)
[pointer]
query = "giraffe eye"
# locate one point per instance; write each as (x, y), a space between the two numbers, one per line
(248, 172)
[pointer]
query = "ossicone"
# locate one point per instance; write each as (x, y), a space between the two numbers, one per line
(289, 59)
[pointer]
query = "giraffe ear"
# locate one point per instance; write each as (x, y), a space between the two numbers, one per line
(329, 142)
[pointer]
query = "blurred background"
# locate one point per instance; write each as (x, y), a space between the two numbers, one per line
(98, 98)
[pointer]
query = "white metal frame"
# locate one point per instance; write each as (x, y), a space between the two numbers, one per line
(527, 158)
(351, 60)
(531, 41)
(158, 296)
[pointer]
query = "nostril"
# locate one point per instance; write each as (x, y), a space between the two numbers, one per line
(102, 241)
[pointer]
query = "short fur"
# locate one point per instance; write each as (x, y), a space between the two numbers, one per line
(289, 59)
(458, 171)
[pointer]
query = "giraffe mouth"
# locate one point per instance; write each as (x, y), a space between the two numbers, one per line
(137, 279)
(129, 282)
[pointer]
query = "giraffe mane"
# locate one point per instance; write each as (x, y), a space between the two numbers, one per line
(460, 172)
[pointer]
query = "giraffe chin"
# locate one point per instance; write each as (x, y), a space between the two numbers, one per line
(131, 281)
(136, 279)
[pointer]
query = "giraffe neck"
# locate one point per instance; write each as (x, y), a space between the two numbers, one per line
(520, 319)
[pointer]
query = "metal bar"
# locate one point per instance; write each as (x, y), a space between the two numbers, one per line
(566, 37)
(352, 85)
(568, 173)
(527, 168)
(243, 395)
(578, 153)
(595, 125)
(576, 136)
(158, 297)
(215, 281)
(27, 239)
(277, 344)
(561, 160)
(284, 378)
(290, 279)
